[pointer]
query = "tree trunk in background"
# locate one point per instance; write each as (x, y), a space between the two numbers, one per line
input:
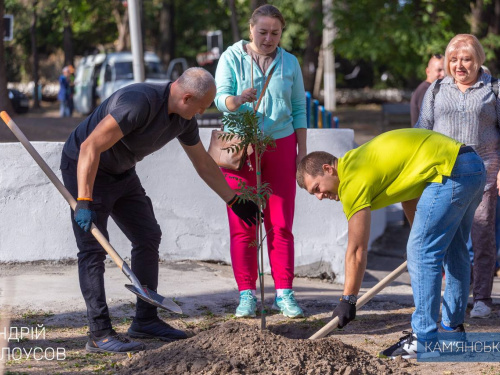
(313, 46)
(67, 40)
(34, 52)
(477, 25)
(121, 19)
(234, 21)
(494, 28)
(5, 104)
(167, 31)
(254, 4)
(329, 84)
(319, 75)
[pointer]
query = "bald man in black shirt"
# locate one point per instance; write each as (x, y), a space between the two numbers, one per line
(98, 168)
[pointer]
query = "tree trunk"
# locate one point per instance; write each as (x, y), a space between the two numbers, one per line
(254, 4)
(313, 46)
(5, 103)
(234, 21)
(319, 75)
(167, 31)
(494, 28)
(328, 56)
(479, 19)
(121, 20)
(34, 51)
(67, 40)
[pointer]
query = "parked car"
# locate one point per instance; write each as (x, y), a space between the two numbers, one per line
(86, 75)
(20, 101)
(98, 76)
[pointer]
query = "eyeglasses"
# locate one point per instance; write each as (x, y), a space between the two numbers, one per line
(437, 56)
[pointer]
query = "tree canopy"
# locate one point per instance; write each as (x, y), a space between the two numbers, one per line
(390, 41)
(397, 37)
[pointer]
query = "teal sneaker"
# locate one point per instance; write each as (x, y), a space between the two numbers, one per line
(288, 305)
(247, 306)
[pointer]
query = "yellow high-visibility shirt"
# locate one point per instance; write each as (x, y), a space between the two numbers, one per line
(394, 167)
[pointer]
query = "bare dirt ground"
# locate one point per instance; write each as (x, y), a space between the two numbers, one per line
(220, 344)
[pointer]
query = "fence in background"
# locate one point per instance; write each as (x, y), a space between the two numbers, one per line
(317, 116)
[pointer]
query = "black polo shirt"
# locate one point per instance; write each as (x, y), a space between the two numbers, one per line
(141, 111)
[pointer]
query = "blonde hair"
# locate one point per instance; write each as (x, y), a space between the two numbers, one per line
(468, 43)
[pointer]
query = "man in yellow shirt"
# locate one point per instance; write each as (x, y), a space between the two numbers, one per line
(440, 183)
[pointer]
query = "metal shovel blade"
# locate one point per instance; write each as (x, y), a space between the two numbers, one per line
(154, 298)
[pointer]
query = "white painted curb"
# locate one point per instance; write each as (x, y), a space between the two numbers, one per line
(36, 223)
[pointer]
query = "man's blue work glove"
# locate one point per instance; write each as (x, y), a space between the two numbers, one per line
(84, 215)
(345, 311)
(246, 211)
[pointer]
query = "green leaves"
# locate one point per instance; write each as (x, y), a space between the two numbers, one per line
(397, 37)
(253, 193)
(245, 125)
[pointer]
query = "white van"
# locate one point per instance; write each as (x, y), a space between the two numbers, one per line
(86, 75)
(99, 76)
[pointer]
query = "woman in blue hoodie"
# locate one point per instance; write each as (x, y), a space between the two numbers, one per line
(283, 115)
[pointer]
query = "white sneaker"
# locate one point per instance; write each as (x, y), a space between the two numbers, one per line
(480, 310)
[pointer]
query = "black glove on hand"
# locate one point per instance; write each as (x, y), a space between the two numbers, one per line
(84, 214)
(246, 211)
(345, 311)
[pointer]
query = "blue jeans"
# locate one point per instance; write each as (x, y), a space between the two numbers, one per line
(64, 109)
(438, 238)
(123, 198)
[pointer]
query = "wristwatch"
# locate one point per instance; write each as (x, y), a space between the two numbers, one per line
(351, 298)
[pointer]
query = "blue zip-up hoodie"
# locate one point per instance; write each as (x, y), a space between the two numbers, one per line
(283, 104)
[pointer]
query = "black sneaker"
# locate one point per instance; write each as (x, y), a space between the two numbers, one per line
(155, 329)
(458, 329)
(112, 343)
(447, 336)
(407, 347)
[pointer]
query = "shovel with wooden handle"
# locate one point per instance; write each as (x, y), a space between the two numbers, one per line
(141, 291)
(362, 301)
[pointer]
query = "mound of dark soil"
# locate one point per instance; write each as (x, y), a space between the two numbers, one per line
(240, 348)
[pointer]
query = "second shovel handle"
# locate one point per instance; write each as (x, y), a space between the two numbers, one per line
(363, 300)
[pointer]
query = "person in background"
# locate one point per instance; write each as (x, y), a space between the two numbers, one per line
(434, 71)
(64, 94)
(71, 104)
(283, 112)
(497, 220)
(466, 108)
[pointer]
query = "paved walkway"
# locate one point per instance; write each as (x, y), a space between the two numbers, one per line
(54, 288)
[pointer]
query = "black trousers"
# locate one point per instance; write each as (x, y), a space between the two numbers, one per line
(124, 199)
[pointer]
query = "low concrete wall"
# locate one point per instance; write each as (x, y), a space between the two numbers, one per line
(36, 224)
